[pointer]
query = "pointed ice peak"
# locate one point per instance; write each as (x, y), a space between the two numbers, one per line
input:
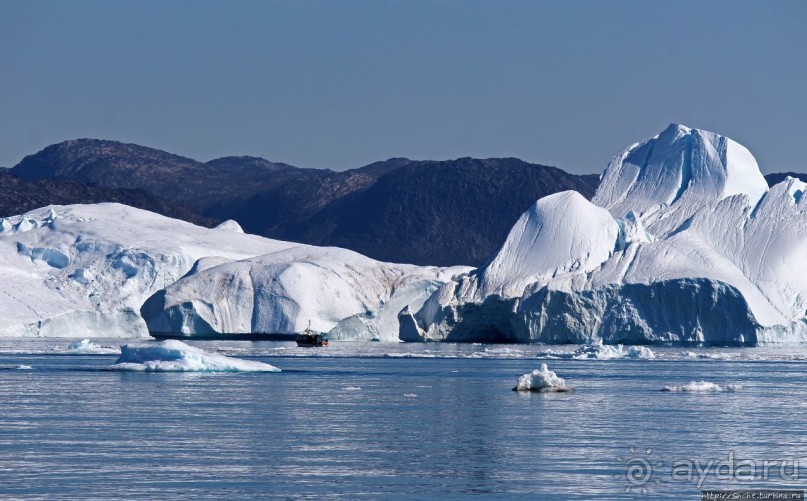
(680, 166)
(676, 129)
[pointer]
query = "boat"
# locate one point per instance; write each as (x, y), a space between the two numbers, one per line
(310, 339)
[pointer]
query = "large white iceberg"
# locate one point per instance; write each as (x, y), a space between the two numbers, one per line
(683, 243)
(175, 356)
(341, 292)
(79, 270)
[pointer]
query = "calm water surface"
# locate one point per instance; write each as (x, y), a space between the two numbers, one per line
(400, 425)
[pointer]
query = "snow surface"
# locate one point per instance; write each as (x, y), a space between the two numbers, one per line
(176, 356)
(701, 387)
(542, 379)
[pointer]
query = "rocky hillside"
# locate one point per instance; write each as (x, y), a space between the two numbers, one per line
(19, 195)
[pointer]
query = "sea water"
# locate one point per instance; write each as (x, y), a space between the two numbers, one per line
(379, 420)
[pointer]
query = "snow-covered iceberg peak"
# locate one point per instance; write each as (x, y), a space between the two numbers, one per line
(682, 169)
(561, 233)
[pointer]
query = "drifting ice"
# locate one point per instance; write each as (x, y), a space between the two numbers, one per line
(85, 346)
(542, 379)
(700, 387)
(176, 356)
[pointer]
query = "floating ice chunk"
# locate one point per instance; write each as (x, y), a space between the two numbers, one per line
(352, 388)
(22, 367)
(88, 347)
(176, 356)
(600, 351)
(640, 352)
(701, 387)
(542, 379)
(410, 395)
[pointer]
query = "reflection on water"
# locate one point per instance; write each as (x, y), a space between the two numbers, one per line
(345, 427)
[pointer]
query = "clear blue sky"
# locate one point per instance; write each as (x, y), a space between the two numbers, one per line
(343, 83)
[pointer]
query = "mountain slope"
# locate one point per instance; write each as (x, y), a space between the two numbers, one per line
(440, 213)
(18, 195)
(193, 184)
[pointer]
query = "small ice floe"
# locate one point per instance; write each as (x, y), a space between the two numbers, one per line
(352, 388)
(599, 351)
(22, 367)
(85, 346)
(543, 380)
(410, 395)
(701, 387)
(175, 356)
(706, 356)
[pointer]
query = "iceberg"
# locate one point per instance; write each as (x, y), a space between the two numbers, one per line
(175, 356)
(70, 271)
(343, 293)
(542, 380)
(683, 243)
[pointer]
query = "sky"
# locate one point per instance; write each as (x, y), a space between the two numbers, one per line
(322, 83)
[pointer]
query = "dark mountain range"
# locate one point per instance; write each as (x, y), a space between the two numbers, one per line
(193, 184)
(424, 212)
(779, 177)
(19, 195)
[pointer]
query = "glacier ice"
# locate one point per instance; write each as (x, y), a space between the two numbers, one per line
(543, 380)
(175, 356)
